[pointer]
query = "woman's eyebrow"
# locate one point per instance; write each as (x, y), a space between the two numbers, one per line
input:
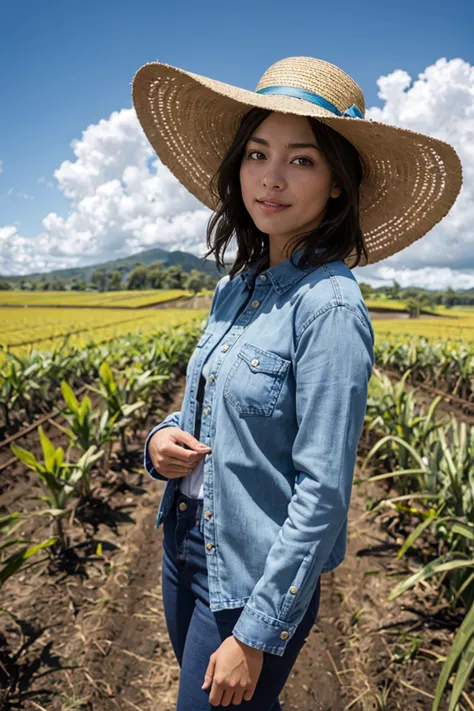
(256, 139)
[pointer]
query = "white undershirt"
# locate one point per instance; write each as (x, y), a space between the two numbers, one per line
(192, 484)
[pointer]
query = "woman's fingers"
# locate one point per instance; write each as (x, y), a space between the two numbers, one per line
(179, 471)
(182, 454)
(174, 462)
(168, 455)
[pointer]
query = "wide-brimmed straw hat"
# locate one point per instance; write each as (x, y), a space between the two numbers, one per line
(410, 180)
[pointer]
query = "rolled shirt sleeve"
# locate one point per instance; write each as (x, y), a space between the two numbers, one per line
(333, 364)
(171, 421)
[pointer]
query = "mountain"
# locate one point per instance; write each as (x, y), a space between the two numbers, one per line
(188, 261)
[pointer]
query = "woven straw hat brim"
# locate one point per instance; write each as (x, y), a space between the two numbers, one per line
(410, 181)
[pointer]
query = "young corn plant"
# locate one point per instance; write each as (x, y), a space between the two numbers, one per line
(86, 428)
(404, 428)
(59, 478)
(11, 563)
(448, 464)
(140, 386)
(18, 385)
(114, 395)
(461, 652)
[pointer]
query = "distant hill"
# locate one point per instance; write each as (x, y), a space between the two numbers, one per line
(188, 262)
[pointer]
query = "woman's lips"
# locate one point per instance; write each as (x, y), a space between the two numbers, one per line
(272, 208)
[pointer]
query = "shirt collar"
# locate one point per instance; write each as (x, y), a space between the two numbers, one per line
(283, 275)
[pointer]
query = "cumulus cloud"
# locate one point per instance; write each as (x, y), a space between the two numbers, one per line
(439, 103)
(123, 199)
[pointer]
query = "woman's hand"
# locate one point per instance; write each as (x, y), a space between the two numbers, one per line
(233, 671)
(174, 452)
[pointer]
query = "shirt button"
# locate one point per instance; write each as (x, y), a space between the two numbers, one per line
(254, 362)
(207, 410)
(207, 514)
(263, 277)
(284, 634)
(212, 377)
(293, 590)
(255, 303)
(209, 546)
(225, 347)
(183, 506)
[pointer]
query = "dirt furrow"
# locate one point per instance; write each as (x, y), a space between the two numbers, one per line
(93, 633)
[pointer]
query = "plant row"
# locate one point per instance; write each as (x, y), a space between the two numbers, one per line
(30, 384)
(125, 391)
(430, 463)
(448, 365)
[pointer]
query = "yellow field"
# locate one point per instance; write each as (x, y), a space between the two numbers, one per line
(24, 329)
(390, 305)
(43, 328)
(458, 324)
(123, 299)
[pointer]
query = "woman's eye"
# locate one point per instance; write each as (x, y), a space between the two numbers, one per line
(308, 160)
(251, 152)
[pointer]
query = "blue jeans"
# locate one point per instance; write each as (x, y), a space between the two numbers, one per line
(195, 631)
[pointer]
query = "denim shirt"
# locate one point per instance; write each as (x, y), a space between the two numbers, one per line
(283, 411)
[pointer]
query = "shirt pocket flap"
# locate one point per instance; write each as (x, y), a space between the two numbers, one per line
(262, 361)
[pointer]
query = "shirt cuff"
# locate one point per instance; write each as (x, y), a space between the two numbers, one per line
(147, 459)
(262, 632)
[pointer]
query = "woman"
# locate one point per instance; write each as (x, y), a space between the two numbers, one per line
(259, 461)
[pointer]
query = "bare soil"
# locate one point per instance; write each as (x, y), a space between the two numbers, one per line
(90, 632)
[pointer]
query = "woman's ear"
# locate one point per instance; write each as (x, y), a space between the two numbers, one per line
(336, 191)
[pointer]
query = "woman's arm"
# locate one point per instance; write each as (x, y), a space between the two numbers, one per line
(333, 365)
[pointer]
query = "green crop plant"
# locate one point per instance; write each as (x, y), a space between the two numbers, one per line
(59, 478)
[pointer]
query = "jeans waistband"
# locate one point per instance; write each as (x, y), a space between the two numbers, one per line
(189, 507)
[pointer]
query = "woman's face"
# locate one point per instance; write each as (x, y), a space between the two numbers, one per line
(295, 176)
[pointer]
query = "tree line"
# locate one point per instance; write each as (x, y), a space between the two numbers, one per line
(157, 276)
(427, 298)
(142, 276)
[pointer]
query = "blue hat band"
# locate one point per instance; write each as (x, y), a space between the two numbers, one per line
(352, 112)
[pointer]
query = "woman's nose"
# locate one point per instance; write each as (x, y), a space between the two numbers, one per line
(273, 179)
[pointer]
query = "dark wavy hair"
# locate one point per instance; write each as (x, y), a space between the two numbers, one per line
(339, 233)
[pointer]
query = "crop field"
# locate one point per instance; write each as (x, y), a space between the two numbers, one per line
(82, 624)
(119, 299)
(454, 324)
(48, 327)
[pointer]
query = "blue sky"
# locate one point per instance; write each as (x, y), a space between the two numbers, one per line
(67, 65)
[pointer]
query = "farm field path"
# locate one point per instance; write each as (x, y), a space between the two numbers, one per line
(343, 657)
(95, 635)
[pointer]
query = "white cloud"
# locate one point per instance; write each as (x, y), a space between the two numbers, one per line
(1, 166)
(439, 103)
(123, 199)
(427, 278)
(11, 191)
(42, 181)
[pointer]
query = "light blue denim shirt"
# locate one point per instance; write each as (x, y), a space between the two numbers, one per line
(283, 411)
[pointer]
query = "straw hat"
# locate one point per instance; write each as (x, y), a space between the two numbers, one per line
(411, 180)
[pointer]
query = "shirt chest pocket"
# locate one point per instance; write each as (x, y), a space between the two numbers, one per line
(255, 380)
